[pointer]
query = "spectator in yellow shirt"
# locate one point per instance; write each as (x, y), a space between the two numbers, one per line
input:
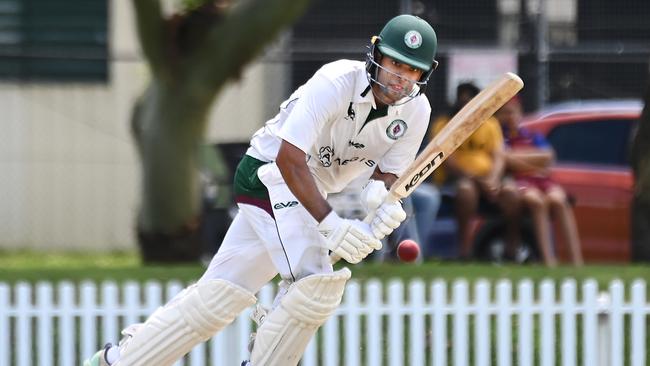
(476, 171)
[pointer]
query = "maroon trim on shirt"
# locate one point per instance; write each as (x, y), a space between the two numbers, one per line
(257, 202)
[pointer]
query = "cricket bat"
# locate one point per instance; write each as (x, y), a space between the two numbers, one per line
(455, 132)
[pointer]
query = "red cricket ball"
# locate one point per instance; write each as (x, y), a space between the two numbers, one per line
(408, 250)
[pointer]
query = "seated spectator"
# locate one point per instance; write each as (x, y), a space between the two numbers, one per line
(528, 158)
(475, 171)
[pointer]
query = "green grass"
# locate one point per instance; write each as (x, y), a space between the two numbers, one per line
(473, 271)
(33, 266)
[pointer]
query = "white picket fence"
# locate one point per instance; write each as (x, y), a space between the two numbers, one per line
(377, 324)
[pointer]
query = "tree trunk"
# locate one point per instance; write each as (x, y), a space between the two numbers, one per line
(191, 56)
(641, 199)
(167, 125)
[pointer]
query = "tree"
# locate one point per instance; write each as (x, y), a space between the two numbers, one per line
(641, 198)
(191, 55)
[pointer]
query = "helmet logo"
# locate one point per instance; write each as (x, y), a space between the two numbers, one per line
(413, 39)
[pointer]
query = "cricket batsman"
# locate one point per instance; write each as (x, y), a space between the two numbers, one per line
(351, 119)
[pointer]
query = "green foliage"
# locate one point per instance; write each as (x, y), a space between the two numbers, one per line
(188, 5)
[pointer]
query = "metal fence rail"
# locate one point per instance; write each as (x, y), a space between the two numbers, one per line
(394, 323)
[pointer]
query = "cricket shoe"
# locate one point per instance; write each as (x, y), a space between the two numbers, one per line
(258, 315)
(99, 358)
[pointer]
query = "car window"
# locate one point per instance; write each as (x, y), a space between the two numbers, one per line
(601, 142)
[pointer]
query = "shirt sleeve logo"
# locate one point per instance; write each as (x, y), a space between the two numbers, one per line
(396, 129)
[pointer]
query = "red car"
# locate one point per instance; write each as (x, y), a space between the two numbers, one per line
(592, 141)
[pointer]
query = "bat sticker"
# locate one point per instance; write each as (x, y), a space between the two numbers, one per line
(424, 172)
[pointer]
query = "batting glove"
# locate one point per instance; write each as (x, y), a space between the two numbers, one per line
(351, 240)
(388, 217)
(373, 195)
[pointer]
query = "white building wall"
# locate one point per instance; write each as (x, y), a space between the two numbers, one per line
(69, 175)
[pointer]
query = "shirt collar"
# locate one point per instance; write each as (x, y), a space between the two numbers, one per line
(363, 94)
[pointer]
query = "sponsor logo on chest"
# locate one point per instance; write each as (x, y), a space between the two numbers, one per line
(356, 145)
(325, 154)
(327, 158)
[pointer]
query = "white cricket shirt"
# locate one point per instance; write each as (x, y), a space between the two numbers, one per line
(325, 119)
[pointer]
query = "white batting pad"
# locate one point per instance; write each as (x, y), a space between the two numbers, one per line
(286, 331)
(173, 330)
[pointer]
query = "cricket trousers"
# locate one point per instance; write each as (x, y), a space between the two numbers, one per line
(263, 241)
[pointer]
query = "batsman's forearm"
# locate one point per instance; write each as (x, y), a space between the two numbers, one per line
(296, 174)
(302, 185)
(387, 178)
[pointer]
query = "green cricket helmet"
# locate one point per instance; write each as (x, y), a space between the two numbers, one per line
(409, 40)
